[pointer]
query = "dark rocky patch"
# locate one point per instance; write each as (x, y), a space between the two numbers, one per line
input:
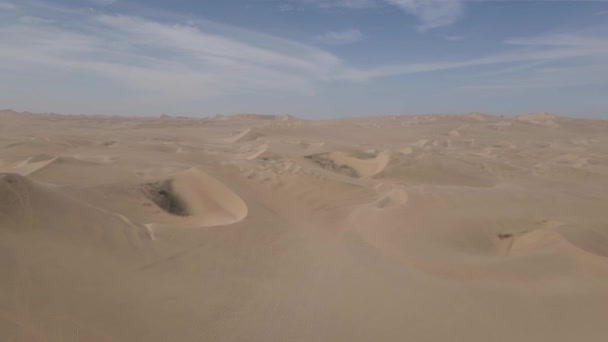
(504, 236)
(163, 195)
(109, 143)
(327, 163)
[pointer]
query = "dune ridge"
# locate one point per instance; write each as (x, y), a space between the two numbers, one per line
(209, 201)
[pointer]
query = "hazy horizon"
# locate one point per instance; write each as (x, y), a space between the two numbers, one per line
(295, 116)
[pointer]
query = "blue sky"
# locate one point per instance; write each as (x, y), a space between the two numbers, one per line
(310, 58)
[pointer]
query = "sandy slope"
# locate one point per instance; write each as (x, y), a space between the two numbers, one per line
(262, 228)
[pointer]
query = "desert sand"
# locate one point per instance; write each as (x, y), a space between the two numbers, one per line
(272, 228)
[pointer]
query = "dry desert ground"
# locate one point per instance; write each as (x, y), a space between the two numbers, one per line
(271, 228)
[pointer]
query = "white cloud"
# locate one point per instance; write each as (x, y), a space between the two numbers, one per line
(103, 2)
(218, 49)
(201, 59)
(35, 20)
(572, 40)
(170, 60)
(352, 4)
(548, 48)
(7, 6)
(340, 37)
(140, 51)
(286, 7)
(526, 66)
(453, 38)
(432, 13)
(549, 77)
(581, 62)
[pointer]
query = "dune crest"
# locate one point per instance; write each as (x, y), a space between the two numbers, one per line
(540, 119)
(28, 166)
(351, 165)
(252, 152)
(248, 134)
(207, 201)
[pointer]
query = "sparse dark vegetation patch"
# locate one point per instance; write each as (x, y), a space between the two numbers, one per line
(14, 144)
(327, 163)
(162, 194)
(109, 143)
(505, 236)
(10, 178)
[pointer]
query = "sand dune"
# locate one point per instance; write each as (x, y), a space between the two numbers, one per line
(576, 242)
(244, 136)
(30, 206)
(270, 228)
(197, 199)
(252, 152)
(365, 166)
(285, 117)
(209, 201)
(28, 166)
(591, 239)
(84, 171)
(540, 119)
(393, 198)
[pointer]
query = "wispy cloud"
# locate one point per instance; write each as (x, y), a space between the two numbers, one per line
(174, 60)
(544, 48)
(183, 59)
(549, 77)
(35, 20)
(286, 7)
(340, 37)
(453, 38)
(139, 50)
(213, 48)
(572, 40)
(103, 2)
(432, 13)
(581, 62)
(7, 5)
(353, 4)
(525, 66)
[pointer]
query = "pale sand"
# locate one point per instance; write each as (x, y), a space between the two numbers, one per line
(271, 228)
